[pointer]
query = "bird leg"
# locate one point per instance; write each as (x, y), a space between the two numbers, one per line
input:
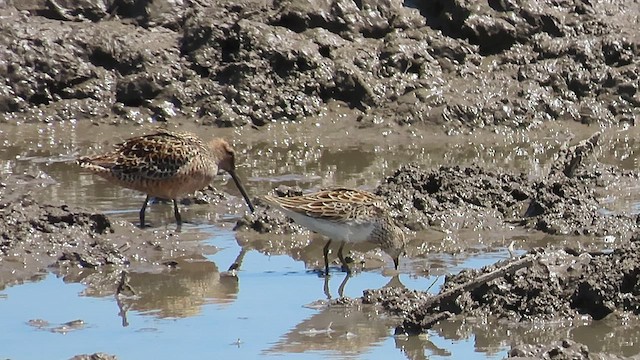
(345, 267)
(327, 292)
(325, 252)
(176, 212)
(343, 284)
(238, 262)
(143, 210)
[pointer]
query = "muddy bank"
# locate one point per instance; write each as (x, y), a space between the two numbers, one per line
(562, 349)
(478, 198)
(38, 237)
(541, 285)
(458, 64)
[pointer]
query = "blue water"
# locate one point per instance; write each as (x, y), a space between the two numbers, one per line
(267, 317)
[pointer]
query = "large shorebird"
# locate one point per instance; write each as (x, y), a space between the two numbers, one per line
(167, 165)
(345, 215)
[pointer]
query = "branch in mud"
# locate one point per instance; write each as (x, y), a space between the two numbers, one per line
(430, 312)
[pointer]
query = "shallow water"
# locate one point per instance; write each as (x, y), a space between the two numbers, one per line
(274, 307)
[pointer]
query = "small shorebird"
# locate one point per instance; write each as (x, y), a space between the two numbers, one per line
(167, 165)
(345, 215)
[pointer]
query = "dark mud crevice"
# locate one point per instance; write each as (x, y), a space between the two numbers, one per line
(102, 57)
(495, 26)
(299, 21)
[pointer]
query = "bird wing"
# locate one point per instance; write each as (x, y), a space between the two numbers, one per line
(155, 156)
(337, 204)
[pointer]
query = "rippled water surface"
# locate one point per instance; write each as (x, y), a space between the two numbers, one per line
(274, 307)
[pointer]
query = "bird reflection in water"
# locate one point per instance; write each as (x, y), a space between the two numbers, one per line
(342, 330)
(178, 290)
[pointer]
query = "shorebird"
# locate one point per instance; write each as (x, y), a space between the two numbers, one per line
(345, 215)
(167, 165)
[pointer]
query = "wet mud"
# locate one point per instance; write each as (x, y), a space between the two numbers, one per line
(457, 64)
(562, 349)
(541, 285)
(450, 67)
(38, 237)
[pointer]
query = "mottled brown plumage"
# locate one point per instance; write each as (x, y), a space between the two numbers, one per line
(345, 215)
(165, 164)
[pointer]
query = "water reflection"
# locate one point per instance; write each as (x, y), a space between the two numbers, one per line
(343, 331)
(308, 248)
(491, 336)
(327, 290)
(311, 159)
(178, 290)
(614, 334)
(419, 347)
(394, 282)
(183, 290)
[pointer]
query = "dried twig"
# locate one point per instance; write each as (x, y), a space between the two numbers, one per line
(431, 315)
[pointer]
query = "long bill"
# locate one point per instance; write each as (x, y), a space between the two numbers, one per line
(242, 190)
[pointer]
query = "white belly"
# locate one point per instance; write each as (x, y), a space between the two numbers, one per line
(348, 231)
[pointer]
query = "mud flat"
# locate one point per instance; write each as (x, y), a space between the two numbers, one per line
(451, 67)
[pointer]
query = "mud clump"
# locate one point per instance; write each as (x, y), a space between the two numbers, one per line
(453, 197)
(35, 236)
(25, 222)
(266, 219)
(542, 285)
(562, 349)
(428, 198)
(95, 356)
